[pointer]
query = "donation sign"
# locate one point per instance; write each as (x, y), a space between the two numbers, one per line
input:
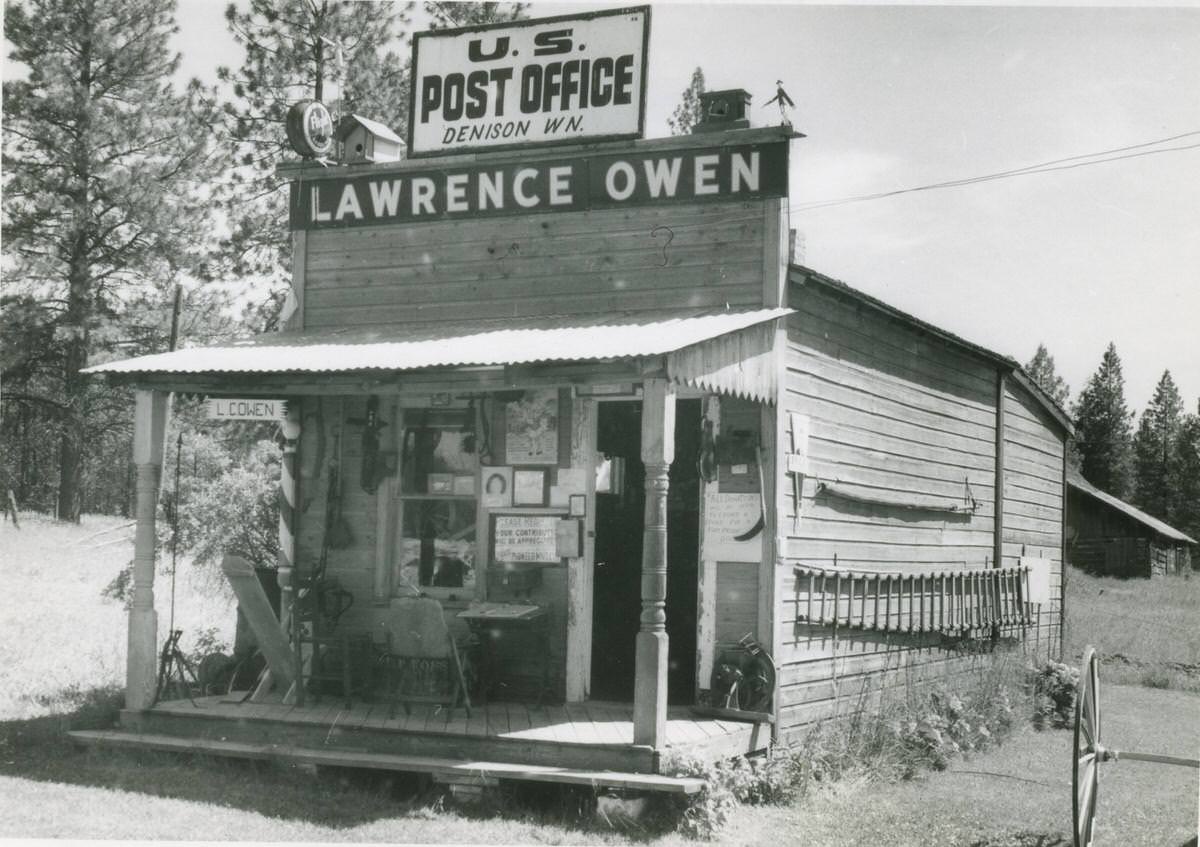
(545, 81)
(226, 409)
(527, 539)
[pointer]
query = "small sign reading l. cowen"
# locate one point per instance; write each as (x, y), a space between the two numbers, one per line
(231, 409)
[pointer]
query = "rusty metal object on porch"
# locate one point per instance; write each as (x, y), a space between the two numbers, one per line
(743, 684)
(488, 620)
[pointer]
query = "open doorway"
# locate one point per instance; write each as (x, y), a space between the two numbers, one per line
(616, 602)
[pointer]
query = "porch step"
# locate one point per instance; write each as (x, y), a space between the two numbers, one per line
(444, 770)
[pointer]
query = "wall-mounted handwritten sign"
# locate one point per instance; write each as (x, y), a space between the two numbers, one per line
(725, 517)
(525, 539)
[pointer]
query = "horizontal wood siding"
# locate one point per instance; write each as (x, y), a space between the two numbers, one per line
(897, 415)
(611, 261)
(1034, 495)
(892, 414)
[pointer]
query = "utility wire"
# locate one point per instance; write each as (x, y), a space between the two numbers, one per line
(1043, 167)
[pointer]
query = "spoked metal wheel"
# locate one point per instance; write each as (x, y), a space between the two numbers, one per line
(1085, 775)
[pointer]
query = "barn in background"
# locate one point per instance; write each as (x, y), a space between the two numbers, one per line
(1107, 536)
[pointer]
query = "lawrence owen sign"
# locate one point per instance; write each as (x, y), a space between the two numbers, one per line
(734, 172)
(547, 81)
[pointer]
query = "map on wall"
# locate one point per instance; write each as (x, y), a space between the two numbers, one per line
(531, 429)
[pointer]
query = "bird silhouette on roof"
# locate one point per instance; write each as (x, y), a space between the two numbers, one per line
(785, 102)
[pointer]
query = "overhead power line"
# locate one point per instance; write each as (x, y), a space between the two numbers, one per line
(1063, 164)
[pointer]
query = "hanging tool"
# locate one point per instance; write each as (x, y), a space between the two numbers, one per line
(372, 470)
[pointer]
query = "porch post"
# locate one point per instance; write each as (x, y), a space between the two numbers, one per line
(658, 448)
(286, 558)
(149, 427)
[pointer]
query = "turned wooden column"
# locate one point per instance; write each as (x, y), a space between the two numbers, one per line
(286, 558)
(658, 448)
(150, 421)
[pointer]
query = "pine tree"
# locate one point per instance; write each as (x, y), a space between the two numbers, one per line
(349, 55)
(1102, 428)
(687, 114)
(101, 158)
(1186, 516)
(1154, 449)
(343, 54)
(1041, 370)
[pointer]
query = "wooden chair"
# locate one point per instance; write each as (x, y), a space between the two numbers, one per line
(422, 661)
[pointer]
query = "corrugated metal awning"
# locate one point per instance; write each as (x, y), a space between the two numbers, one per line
(720, 351)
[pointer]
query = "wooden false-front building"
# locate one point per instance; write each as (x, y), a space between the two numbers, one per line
(1109, 537)
(599, 388)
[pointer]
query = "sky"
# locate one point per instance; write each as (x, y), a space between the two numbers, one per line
(895, 97)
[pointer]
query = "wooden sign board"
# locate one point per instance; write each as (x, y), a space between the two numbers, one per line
(702, 174)
(525, 539)
(547, 81)
(1039, 579)
(227, 409)
(727, 516)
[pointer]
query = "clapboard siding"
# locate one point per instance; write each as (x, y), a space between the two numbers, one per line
(1033, 465)
(890, 413)
(895, 413)
(605, 261)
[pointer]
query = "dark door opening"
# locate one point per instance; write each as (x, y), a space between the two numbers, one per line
(616, 600)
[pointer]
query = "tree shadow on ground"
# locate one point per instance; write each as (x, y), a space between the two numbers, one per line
(339, 798)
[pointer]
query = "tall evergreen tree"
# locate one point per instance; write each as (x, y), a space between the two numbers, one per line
(349, 55)
(687, 114)
(1102, 427)
(101, 162)
(1154, 449)
(341, 53)
(1042, 371)
(1186, 516)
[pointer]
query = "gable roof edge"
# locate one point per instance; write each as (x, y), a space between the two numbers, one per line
(801, 275)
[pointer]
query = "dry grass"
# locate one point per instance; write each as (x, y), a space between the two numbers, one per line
(1017, 795)
(1147, 630)
(59, 636)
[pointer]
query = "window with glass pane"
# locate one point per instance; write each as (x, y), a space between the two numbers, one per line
(437, 484)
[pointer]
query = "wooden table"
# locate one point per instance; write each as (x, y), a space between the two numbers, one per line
(483, 618)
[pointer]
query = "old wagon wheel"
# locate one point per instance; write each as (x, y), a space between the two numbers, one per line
(1085, 772)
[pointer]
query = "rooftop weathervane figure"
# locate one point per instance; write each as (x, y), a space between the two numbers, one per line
(785, 102)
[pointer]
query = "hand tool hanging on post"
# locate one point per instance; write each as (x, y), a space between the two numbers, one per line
(372, 469)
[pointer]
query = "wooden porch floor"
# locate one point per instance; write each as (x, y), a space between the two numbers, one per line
(588, 723)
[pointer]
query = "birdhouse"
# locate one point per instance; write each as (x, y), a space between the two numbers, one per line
(365, 140)
(723, 110)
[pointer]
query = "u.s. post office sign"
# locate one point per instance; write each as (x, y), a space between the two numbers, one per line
(546, 81)
(739, 172)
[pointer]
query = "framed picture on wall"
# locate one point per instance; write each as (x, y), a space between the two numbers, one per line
(530, 487)
(531, 429)
(497, 487)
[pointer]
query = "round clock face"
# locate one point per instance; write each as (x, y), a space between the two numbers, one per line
(310, 128)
